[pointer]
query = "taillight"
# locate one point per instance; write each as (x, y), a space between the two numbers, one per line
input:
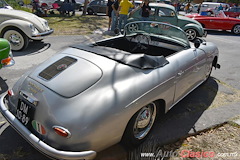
(10, 93)
(61, 131)
(6, 61)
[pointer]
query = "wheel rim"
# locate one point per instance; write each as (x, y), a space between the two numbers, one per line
(236, 29)
(144, 121)
(15, 38)
(132, 28)
(191, 34)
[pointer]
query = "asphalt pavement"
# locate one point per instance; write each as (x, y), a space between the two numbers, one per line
(211, 104)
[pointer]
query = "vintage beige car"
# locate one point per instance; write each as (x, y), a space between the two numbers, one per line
(19, 27)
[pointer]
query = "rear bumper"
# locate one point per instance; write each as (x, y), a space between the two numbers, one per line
(37, 143)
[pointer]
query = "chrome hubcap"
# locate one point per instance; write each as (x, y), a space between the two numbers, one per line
(191, 34)
(237, 29)
(132, 27)
(144, 121)
(14, 39)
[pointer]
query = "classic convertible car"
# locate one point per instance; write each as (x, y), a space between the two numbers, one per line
(6, 57)
(89, 97)
(19, 27)
(218, 22)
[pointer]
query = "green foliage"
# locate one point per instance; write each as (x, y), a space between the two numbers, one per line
(15, 5)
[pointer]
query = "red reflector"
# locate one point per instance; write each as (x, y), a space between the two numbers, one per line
(62, 131)
(10, 93)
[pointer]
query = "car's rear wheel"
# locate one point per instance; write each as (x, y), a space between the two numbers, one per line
(90, 11)
(191, 34)
(236, 29)
(133, 27)
(17, 39)
(140, 125)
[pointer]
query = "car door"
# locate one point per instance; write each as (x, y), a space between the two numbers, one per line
(166, 15)
(191, 69)
(102, 6)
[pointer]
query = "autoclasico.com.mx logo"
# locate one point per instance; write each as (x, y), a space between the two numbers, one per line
(161, 154)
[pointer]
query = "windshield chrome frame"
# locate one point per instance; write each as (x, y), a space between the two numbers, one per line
(182, 40)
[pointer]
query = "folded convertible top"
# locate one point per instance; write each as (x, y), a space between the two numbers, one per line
(141, 61)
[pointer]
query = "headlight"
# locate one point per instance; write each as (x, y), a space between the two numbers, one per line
(46, 23)
(32, 28)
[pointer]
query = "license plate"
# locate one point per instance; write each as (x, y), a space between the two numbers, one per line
(24, 112)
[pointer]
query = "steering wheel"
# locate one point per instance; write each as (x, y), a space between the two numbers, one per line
(142, 40)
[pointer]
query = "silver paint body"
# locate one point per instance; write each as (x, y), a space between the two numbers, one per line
(96, 97)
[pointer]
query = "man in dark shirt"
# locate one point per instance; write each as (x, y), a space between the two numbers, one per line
(109, 12)
(146, 9)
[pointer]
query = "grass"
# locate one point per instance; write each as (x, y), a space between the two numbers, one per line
(76, 25)
(221, 142)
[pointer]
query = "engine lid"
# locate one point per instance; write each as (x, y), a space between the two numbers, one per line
(67, 75)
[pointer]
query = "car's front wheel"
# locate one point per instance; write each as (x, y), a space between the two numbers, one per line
(90, 11)
(191, 34)
(236, 29)
(17, 39)
(140, 125)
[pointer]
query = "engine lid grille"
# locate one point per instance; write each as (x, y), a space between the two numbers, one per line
(57, 67)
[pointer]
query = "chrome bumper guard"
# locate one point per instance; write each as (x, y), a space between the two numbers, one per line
(37, 143)
(44, 33)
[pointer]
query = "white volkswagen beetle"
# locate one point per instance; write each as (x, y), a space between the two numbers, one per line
(18, 27)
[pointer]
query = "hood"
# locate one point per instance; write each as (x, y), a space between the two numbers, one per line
(187, 20)
(67, 75)
(39, 23)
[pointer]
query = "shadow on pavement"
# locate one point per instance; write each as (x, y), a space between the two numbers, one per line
(178, 123)
(34, 47)
(3, 85)
(222, 33)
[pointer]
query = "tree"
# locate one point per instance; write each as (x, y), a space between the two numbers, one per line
(85, 7)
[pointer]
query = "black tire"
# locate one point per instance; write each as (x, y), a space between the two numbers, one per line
(191, 34)
(90, 11)
(140, 125)
(17, 38)
(236, 29)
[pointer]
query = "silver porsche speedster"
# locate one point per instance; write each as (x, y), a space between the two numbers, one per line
(89, 97)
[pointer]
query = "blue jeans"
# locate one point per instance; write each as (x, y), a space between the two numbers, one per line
(113, 24)
(122, 19)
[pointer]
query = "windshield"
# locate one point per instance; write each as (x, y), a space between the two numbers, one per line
(157, 29)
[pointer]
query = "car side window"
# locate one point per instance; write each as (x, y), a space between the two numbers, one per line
(94, 2)
(164, 12)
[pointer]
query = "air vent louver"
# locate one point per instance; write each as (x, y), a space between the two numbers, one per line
(57, 67)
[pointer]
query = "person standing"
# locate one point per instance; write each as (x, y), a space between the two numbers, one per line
(199, 8)
(115, 6)
(146, 9)
(187, 8)
(73, 7)
(109, 12)
(123, 10)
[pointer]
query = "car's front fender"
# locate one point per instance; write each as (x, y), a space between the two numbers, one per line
(198, 28)
(24, 26)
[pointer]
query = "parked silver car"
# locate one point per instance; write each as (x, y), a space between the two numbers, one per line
(89, 97)
(18, 27)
